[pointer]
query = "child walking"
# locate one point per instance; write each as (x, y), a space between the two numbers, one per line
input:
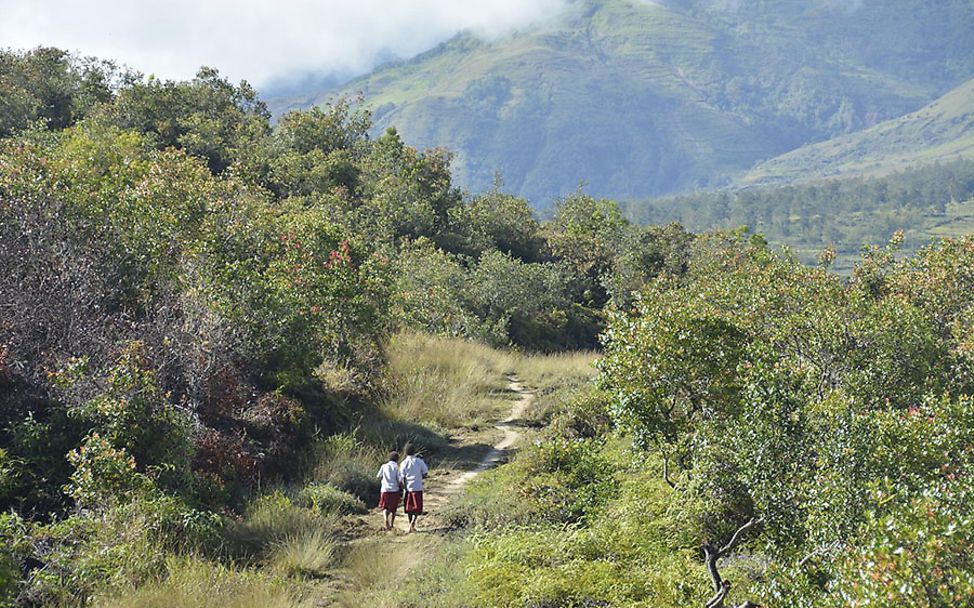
(411, 473)
(389, 498)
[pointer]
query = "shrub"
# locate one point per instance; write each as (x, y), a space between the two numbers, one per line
(325, 499)
(269, 521)
(13, 535)
(103, 474)
(126, 544)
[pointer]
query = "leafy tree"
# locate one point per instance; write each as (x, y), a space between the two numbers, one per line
(207, 117)
(50, 86)
(584, 232)
(786, 396)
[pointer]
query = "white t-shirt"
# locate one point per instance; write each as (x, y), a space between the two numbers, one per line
(411, 472)
(389, 474)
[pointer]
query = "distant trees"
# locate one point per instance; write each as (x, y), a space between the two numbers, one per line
(844, 212)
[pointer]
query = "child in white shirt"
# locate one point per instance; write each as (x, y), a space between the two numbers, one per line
(411, 474)
(389, 496)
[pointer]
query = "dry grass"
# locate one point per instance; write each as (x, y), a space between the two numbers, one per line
(271, 521)
(544, 370)
(198, 584)
(448, 382)
(375, 571)
(554, 379)
(311, 554)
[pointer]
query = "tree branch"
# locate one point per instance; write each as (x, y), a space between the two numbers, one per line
(736, 538)
(712, 553)
(666, 471)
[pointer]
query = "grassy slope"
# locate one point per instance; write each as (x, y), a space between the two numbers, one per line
(940, 131)
(632, 97)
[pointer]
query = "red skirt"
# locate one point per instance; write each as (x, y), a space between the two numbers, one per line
(414, 503)
(389, 501)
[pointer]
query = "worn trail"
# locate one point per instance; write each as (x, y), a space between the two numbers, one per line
(440, 492)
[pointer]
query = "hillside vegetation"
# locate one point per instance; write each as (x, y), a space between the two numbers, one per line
(941, 131)
(837, 215)
(213, 331)
(640, 98)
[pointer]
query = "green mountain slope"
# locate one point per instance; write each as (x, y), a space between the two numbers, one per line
(637, 98)
(940, 131)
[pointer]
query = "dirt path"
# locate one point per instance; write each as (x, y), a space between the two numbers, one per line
(472, 454)
(439, 493)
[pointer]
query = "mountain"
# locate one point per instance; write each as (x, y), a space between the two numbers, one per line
(638, 99)
(941, 131)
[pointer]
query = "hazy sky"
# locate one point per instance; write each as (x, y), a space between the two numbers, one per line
(255, 40)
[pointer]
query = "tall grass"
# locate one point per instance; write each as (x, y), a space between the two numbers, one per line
(194, 583)
(375, 573)
(448, 382)
(309, 554)
(555, 379)
(273, 520)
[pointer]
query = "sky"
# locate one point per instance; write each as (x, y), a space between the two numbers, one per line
(258, 40)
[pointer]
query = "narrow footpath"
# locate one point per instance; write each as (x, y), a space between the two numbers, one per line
(441, 490)
(472, 453)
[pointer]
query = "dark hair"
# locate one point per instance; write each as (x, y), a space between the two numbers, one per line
(410, 450)
(394, 456)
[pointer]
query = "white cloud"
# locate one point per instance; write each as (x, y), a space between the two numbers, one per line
(256, 40)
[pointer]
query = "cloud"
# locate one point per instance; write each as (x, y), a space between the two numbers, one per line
(256, 40)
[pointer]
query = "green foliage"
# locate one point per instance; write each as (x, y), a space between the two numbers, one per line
(324, 498)
(494, 299)
(781, 392)
(122, 546)
(917, 554)
(103, 474)
(130, 412)
(49, 86)
(13, 532)
(207, 117)
(843, 212)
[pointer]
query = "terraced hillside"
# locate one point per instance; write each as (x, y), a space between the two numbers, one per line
(938, 132)
(637, 98)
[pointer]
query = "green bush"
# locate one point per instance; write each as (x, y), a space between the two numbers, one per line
(272, 520)
(325, 499)
(350, 465)
(13, 536)
(86, 555)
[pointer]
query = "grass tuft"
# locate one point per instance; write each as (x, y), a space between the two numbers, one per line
(198, 584)
(311, 554)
